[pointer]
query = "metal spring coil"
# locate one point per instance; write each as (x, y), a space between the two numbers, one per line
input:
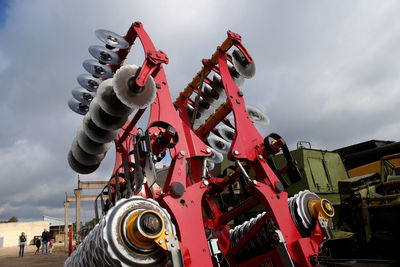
(92, 251)
(258, 244)
(101, 247)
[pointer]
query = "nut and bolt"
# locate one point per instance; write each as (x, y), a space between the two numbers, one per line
(254, 182)
(236, 152)
(160, 242)
(182, 152)
(260, 157)
(166, 232)
(208, 150)
(205, 182)
(172, 245)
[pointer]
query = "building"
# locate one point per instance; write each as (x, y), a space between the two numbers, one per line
(56, 228)
(10, 232)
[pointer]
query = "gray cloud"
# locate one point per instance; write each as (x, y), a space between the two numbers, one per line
(327, 73)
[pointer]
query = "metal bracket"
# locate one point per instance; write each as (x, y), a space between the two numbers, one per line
(281, 248)
(176, 254)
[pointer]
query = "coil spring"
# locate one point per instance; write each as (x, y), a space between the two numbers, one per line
(103, 246)
(93, 251)
(258, 244)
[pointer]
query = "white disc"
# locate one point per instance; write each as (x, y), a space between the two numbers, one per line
(226, 132)
(95, 133)
(90, 146)
(109, 101)
(246, 70)
(216, 156)
(219, 144)
(237, 78)
(84, 158)
(256, 115)
(104, 120)
(210, 165)
(133, 100)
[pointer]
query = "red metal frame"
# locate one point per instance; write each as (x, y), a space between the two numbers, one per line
(187, 210)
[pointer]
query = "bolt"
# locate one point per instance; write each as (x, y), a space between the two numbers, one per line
(160, 242)
(238, 101)
(205, 182)
(155, 134)
(208, 150)
(236, 152)
(166, 240)
(260, 157)
(182, 153)
(172, 245)
(254, 182)
(166, 232)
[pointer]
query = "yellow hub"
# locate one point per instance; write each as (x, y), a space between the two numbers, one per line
(147, 230)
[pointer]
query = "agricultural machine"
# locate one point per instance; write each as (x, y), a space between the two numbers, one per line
(187, 214)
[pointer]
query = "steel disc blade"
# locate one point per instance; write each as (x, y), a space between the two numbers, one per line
(210, 94)
(89, 82)
(226, 132)
(256, 115)
(112, 39)
(219, 144)
(303, 208)
(78, 107)
(83, 95)
(216, 156)
(103, 54)
(210, 165)
(237, 78)
(247, 70)
(96, 69)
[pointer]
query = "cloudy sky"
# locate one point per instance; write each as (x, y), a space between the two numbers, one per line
(327, 72)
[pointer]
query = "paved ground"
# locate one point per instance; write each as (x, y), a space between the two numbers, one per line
(9, 257)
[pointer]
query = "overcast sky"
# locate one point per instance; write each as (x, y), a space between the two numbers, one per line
(327, 72)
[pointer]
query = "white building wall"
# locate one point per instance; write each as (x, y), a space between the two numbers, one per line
(11, 231)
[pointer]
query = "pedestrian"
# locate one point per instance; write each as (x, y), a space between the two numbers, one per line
(45, 240)
(51, 246)
(37, 243)
(22, 241)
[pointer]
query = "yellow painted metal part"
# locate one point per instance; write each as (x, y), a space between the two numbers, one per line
(322, 208)
(187, 92)
(370, 168)
(143, 240)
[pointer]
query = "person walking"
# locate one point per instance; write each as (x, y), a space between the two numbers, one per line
(22, 241)
(45, 240)
(51, 246)
(37, 243)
